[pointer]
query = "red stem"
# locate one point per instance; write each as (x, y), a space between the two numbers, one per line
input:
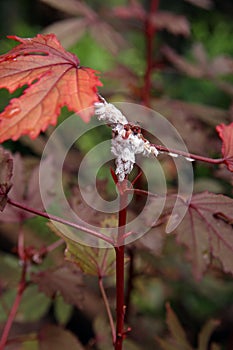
(63, 221)
(54, 245)
(21, 252)
(120, 253)
(190, 155)
(21, 288)
(149, 34)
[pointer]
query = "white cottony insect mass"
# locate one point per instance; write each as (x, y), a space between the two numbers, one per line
(109, 113)
(127, 139)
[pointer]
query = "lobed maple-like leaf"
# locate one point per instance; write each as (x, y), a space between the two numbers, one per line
(70, 30)
(178, 339)
(66, 280)
(226, 134)
(206, 230)
(6, 168)
(54, 79)
(202, 67)
(92, 261)
(161, 20)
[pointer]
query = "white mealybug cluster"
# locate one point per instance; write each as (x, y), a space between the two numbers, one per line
(109, 113)
(127, 139)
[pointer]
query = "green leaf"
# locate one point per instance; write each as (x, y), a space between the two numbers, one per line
(54, 337)
(166, 345)
(33, 305)
(103, 333)
(148, 294)
(24, 342)
(204, 335)
(7, 300)
(91, 260)
(62, 311)
(9, 271)
(176, 329)
(179, 340)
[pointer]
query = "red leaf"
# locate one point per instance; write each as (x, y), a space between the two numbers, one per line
(206, 230)
(66, 280)
(226, 134)
(54, 78)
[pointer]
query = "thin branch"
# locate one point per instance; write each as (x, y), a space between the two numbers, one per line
(106, 303)
(190, 156)
(142, 192)
(62, 221)
(47, 249)
(54, 245)
(21, 252)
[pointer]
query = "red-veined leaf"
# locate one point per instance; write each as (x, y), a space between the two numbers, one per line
(54, 79)
(206, 230)
(91, 260)
(226, 134)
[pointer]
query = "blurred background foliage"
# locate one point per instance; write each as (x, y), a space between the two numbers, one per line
(191, 85)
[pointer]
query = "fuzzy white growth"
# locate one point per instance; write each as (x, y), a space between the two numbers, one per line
(109, 113)
(125, 144)
(125, 150)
